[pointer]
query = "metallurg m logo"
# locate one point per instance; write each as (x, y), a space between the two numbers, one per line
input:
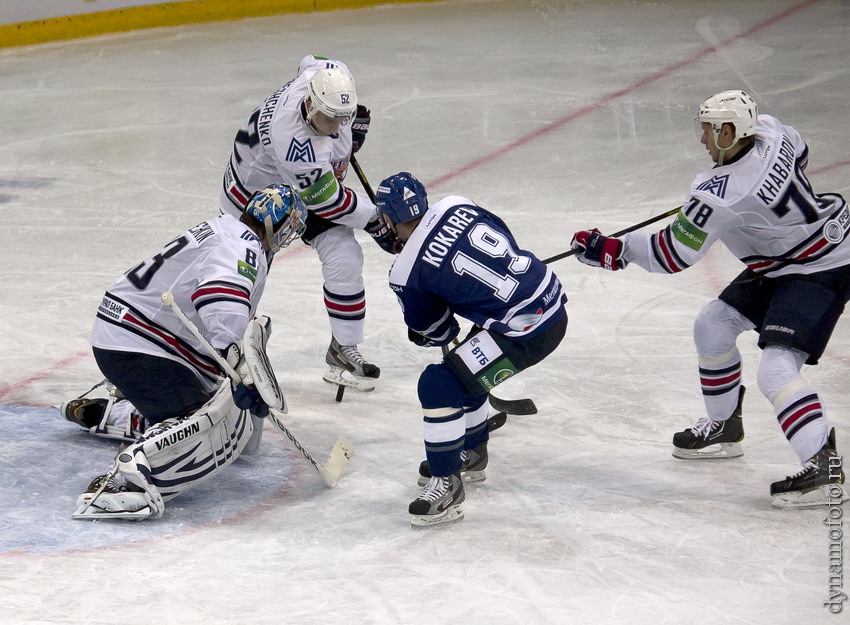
(299, 151)
(717, 185)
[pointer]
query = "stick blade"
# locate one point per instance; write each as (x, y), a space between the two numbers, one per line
(340, 455)
(513, 406)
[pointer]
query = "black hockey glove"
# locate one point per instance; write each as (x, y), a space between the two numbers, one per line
(248, 398)
(383, 236)
(359, 127)
(597, 250)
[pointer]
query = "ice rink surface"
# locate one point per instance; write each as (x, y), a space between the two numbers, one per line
(556, 115)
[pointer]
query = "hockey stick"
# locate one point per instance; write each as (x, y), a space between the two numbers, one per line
(503, 407)
(646, 222)
(341, 452)
(362, 177)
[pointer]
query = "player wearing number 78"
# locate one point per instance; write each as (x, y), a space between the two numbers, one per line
(759, 203)
(457, 258)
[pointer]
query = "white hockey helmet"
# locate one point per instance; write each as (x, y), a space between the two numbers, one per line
(331, 91)
(730, 107)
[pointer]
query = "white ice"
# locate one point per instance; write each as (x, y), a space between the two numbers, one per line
(556, 115)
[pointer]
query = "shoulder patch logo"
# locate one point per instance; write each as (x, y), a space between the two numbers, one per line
(244, 269)
(716, 186)
(299, 151)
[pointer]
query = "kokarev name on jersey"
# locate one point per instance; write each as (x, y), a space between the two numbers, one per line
(454, 225)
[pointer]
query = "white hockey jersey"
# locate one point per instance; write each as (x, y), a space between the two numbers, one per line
(761, 206)
(216, 271)
(277, 145)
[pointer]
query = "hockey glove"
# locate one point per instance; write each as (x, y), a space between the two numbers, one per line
(383, 236)
(248, 398)
(597, 250)
(359, 127)
(426, 341)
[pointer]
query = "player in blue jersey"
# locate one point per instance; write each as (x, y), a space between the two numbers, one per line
(457, 259)
(758, 201)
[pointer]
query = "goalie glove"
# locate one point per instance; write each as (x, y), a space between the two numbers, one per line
(597, 250)
(383, 236)
(359, 127)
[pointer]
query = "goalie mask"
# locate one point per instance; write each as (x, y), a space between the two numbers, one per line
(331, 92)
(401, 198)
(281, 211)
(729, 107)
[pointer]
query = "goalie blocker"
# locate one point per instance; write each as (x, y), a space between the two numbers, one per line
(179, 453)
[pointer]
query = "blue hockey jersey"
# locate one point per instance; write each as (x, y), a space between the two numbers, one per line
(462, 260)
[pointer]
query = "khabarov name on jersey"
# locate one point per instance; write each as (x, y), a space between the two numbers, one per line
(449, 232)
(785, 163)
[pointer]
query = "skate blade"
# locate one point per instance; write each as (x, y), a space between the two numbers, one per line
(453, 514)
(820, 496)
(342, 377)
(712, 452)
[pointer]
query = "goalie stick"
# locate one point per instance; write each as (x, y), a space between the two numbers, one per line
(341, 452)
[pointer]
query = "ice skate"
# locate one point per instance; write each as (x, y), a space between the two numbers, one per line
(106, 417)
(439, 503)
(819, 483)
(709, 439)
(472, 467)
(111, 496)
(349, 368)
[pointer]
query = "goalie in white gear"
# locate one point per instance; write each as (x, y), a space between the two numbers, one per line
(758, 201)
(304, 134)
(161, 375)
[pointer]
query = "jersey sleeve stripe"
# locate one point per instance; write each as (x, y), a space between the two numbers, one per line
(220, 292)
(346, 204)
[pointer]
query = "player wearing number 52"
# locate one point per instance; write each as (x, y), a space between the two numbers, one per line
(759, 203)
(456, 258)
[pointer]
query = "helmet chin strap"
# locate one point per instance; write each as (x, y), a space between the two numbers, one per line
(721, 157)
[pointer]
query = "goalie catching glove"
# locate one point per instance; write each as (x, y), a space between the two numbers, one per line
(597, 250)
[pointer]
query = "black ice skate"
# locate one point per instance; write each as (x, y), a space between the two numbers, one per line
(819, 483)
(349, 368)
(440, 502)
(84, 411)
(709, 439)
(473, 462)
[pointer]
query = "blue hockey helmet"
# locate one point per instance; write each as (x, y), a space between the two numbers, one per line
(401, 198)
(281, 210)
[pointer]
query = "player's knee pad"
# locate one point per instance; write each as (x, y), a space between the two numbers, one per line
(717, 327)
(439, 387)
(779, 372)
(177, 454)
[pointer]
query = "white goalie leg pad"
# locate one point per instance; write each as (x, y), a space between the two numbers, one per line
(179, 453)
(257, 363)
